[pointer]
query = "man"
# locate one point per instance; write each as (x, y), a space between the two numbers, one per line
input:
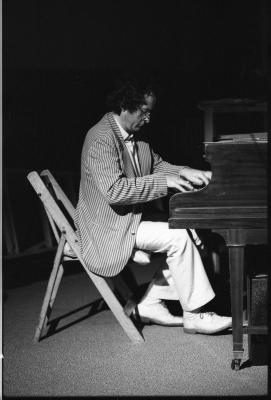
(120, 176)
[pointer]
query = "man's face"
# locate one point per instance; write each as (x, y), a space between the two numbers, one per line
(134, 121)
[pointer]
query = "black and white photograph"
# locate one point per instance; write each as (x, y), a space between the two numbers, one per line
(134, 198)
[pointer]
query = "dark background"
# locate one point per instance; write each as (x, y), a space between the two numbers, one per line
(60, 58)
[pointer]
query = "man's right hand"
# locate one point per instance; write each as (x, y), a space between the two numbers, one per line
(178, 183)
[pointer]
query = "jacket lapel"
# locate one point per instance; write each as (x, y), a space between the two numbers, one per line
(143, 151)
(144, 157)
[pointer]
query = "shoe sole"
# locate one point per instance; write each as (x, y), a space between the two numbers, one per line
(148, 321)
(205, 332)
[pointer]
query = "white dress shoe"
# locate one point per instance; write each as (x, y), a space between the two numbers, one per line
(206, 323)
(157, 313)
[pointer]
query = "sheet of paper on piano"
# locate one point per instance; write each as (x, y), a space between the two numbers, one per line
(244, 137)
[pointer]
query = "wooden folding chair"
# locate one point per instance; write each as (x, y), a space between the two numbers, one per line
(52, 196)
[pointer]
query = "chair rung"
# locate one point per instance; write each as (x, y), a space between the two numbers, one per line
(68, 258)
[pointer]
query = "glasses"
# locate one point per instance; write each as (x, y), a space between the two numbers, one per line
(145, 113)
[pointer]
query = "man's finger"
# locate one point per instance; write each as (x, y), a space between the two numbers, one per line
(197, 180)
(205, 180)
(202, 179)
(184, 187)
(187, 185)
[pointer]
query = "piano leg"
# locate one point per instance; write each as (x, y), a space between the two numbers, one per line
(236, 265)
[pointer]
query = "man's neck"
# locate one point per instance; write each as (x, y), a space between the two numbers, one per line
(121, 125)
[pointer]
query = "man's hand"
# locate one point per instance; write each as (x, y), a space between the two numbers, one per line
(196, 176)
(178, 183)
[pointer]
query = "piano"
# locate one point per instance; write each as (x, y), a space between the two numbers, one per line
(233, 205)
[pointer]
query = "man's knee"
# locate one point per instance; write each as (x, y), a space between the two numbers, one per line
(179, 239)
(180, 234)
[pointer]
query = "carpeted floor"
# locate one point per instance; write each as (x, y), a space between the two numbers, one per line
(88, 354)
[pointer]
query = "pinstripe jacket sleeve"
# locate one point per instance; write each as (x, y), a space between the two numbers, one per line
(114, 184)
(159, 165)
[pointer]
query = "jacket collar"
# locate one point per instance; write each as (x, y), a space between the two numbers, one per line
(126, 136)
(115, 128)
(142, 147)
(124, 156)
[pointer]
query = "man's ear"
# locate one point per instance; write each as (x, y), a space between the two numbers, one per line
(123, 112)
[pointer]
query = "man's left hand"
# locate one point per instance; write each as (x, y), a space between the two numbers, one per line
(196, 176)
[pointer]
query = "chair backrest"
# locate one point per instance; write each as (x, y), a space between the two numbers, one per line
(60, 198)
(53, 197)
(57, 192)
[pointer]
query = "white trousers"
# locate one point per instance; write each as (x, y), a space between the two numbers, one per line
(183, 277)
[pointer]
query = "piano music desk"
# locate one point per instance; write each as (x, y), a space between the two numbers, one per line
(213, 108)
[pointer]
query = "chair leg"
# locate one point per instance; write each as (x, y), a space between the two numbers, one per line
(52, 297)
(116, 308)
(51, 291)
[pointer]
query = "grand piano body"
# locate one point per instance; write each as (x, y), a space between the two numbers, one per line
(234, 205)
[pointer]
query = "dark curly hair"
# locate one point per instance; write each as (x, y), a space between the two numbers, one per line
(128, 93)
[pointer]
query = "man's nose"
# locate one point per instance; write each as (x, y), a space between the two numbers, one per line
(147, 118)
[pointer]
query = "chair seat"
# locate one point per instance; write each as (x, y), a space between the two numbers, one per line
(68, 252)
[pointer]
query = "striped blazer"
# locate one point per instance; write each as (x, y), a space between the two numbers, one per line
(112, 197)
